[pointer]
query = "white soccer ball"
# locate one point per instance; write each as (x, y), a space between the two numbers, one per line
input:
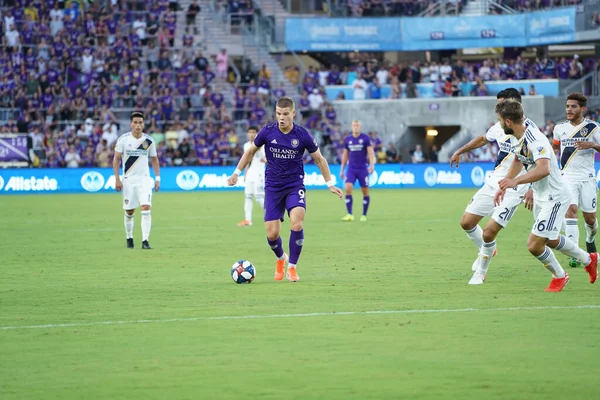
(243, 271)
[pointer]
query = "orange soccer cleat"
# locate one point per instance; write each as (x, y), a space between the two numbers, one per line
(245, 223)
(280, 267)
(292, 275)
(592, 267)
(557, 284)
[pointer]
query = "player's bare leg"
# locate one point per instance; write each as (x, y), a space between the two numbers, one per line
(146, 226)
(349, 216)
(273, 228)
(128, 220)
(591, 229)
(540, 247)
(487, 251)
(296, 241)
(366, 202)
(572, 230)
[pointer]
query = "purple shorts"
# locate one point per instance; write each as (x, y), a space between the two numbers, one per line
(278, 201)
(361, 174)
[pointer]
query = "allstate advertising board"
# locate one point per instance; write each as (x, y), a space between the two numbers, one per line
(196, 179)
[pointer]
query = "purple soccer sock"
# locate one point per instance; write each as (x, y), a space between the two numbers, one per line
(276, 246)
(296, 243)
(366, 201)
(349, 203)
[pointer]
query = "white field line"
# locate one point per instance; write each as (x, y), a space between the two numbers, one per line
(318, 314)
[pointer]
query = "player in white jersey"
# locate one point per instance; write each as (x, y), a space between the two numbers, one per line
(135, 149)
(551, 193)
(578, 139)
(482, 203)
(254, 179)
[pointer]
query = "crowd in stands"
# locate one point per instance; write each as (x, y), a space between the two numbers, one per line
(69, 66)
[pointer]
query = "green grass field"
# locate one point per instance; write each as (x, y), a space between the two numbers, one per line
(150, 324)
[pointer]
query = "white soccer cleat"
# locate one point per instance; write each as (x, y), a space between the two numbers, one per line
(477, 279)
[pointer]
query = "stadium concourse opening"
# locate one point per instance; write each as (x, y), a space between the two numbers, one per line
(418, 135)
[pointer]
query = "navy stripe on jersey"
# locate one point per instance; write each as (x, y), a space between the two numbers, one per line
(501, 156)
(569, 151)
(529, 136)
(131, 160)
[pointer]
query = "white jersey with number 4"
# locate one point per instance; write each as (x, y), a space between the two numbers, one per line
(534, 145)
(577, 165)
(135, 153)
(255, 172)
(506, 153)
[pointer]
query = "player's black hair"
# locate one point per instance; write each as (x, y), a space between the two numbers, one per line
(579, 98)
(252, 128)
(136, 114)
(509, 93)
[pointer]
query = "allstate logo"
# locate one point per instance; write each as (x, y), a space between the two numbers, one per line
(477, 176)
(187, 180)
(430, 176)
(92, 181)
(373, 178)
(1, 182)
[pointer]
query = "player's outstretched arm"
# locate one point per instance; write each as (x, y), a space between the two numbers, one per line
(508, 181)
(116, 165)
(156, 168)
(476, 143)
(243, 163)
(324, 168)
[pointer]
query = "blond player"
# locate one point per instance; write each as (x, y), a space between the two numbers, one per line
(135, 149)
(255, 178)
(550, 191)
(482, 203)
(578, 140)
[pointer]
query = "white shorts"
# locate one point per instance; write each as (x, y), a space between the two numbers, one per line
(262, 90)
(255, 188)
(137, 194)
(549, 217)
(584, 194)
(482, 203)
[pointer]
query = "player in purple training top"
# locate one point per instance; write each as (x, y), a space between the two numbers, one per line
(359, 154)
(285, 143)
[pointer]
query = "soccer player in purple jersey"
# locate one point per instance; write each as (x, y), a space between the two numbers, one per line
(360, 157)
(285, 143)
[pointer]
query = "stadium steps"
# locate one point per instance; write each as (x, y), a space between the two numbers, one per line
(218, 37)
(476, 8)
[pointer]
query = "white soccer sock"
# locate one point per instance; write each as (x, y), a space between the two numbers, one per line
(569, 248)
(146, 224)
(248, 208)
(485, 257)
(261, 200)
(572, 230)
(591, 231)
(551, 263)
(476, 235)
(128, 225)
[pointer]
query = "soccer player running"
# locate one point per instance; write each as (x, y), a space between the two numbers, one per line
(482, 203)
(255, 179)
(135, 148)
(360, 157)
(285, 143)
(551, 193)
(578, 139)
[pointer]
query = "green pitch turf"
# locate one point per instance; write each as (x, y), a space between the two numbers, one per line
(148, 324)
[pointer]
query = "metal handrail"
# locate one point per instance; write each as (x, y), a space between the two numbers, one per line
(581, 82)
